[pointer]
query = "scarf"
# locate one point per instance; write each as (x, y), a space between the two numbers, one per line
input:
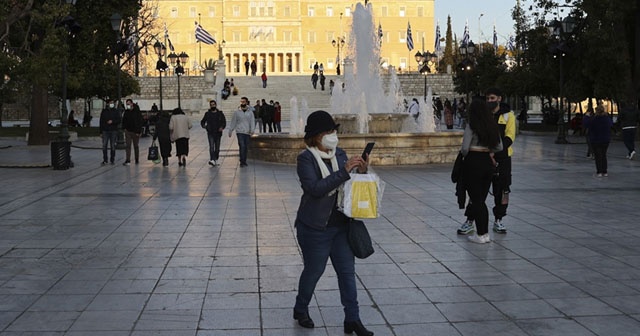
(319, 155)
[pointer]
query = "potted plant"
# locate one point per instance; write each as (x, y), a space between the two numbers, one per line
(209, 70)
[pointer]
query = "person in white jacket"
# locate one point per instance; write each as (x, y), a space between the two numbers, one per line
(179, 126)
(243, 122)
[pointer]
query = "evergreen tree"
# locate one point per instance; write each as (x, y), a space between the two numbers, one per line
(448, 57)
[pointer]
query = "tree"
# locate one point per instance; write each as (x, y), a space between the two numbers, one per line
(448, 57)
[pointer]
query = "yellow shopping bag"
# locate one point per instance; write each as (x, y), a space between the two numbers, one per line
(362, 195)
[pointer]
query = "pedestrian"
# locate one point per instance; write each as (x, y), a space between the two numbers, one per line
(600, 135)
(480, 142)
(448, 114)
(163, 134)
(267, 116)
(277, 117)
(331, 85)
(314, 80)
(501, 184)
(321, 228)
(215, 123)
(243, 123)
(132, 124)
(322, 80)
(254, 68)
(257, 115)
(338, 70)
(321, 68)
(629, 117)
(109, 121)
(315, 68)
(264, 79)
(180, 126)
(247, 65)
(414, 109)
(462, 113)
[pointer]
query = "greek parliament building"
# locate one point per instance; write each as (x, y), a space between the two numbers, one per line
(289, 36)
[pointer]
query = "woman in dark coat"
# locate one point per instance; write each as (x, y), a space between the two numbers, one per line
(163, 134)
(600, 136)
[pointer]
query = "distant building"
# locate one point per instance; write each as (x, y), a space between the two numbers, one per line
(289, 36)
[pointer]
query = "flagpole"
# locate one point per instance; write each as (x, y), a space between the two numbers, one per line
(199, 43)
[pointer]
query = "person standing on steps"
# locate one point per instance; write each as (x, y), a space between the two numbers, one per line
(264, 79)
(215, 123)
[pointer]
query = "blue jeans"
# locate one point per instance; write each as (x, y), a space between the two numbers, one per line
(629, 136)
(317, 246)
(243, 144)
(214, 145)
(109, 137)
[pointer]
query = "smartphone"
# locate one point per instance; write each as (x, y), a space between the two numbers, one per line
(367, 150)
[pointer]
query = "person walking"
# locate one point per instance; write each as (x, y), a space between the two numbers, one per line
(314, 80)
(322, 80)
(163, 134)
(180, 126)
(480, 142)
(629, 117)
(321, 228)
(600, 136)
(254, 68)
(109, 121)
(338, 70)
(247, 65)
(215, 123)
(132, 124)
(448, 114)
(264, 79)
(244, 124)
(414, 109)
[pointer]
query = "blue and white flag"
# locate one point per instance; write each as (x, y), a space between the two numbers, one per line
(166, 35)
(437, 47)
(511, 44)
(465, 36)
(380, 33)
(203, 36)
(409, 37)
(495, 39)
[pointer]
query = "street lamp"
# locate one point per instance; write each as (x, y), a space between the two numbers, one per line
(467, 50)
(176, 62)
(72, 27)
(161, 66)
(116, 25)
(425, 59)
(337, 44)
(560, 30)
(220, 46)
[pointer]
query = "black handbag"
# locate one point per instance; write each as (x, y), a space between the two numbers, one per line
(359, 239)
(153, 152)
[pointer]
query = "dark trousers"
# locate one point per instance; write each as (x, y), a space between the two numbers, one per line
(600, 152)
(277, 127)
(243, 145)
(165, 147)
(629, 136)
(317, 247)
(109, 139)
(477, 175)
(132, 138)
(500, 184)
(214, 145)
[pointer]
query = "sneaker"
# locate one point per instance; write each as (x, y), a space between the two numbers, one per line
(482, 239)
(605, 175)
(104, 163)
(498, 227)
(127, 163)
(631, 155)
(466, 228)
(212, 163)
(599, 175)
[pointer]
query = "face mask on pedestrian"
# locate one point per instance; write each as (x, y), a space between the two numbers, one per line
(129, 107)
(492, 106)
(330, 141)
(112, 105)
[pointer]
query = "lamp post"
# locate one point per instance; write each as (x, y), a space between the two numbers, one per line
(220, 46)
(467, 50)
(176, 62)
(116, 25)
(72, 28)
(161, 66)
(425, 59)
(337, 44)
(560, 30)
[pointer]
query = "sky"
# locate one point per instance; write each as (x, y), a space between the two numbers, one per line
(485, 12)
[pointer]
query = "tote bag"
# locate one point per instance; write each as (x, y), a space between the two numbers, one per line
(153, 152)
(362, 196)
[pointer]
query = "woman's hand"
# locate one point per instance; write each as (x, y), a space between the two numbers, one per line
(356, 162)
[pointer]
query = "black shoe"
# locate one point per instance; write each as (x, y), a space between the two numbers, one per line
(356, 326)
(165, 162)
(303, 319)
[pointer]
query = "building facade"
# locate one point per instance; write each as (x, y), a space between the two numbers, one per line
(289, 36)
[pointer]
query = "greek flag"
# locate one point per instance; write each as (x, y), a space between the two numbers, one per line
(409, 37)
(465, 36)
(203, 36)
(495, 39)
(437, 47)
(380, 33)
(511, 44)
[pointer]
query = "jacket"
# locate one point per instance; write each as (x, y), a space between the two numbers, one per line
(243, 122)
(213, 121)
(132, 120)
(600, 129)
(162, 127)
(179, 126)
(109, 114)
(316, 204)
(629, 117)
(507, 126)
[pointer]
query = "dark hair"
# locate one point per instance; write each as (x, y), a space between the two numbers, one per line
(482, 124)
(493, 91)
(213, 100)
(313, 141)
(177, 110)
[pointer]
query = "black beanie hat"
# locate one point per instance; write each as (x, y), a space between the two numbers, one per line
(318, 122)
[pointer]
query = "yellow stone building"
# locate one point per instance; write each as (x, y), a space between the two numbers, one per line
(289, 36)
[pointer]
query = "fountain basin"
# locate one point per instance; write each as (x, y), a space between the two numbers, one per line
(378, 123)
(390, 149)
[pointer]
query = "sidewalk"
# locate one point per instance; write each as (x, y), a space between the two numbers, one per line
(147, 250)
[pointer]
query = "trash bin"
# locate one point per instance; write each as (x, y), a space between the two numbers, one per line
(61, 155)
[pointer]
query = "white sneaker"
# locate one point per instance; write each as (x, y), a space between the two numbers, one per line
(215, 162)
(466, 228)
(482, 239)
(212, 163)
(631, 155)
(498, 226)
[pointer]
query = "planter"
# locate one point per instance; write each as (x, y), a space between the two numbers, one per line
(209, 76)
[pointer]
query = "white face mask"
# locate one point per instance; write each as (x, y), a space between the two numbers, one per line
(330, 141)
(112, 105)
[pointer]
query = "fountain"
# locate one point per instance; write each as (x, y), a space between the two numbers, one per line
(367, 113)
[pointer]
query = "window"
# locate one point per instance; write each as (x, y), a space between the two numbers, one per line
(330, 63)
(402, 11)
(286, 36)
(261, 11)
(402, 36)
(174, 12)
(330, 36)
(385, 11)
(312, 37)
(347, 11)
(192, 12)
(329, 11)
(420, 11)
(311, 11)
(156, 14)
(212, 11)
(403, 63)
(312, 62)
(270, 11)
(237, 36)
(236, 11)
(287, 11)
(253, 11)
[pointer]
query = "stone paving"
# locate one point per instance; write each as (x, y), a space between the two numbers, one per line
(147, 250)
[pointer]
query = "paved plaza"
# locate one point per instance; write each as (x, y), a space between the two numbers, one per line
(147, 250)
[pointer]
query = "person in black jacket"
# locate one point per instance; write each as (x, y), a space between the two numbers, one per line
(163, 134)
(214, 122)
(109, 121)
(132, 125)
